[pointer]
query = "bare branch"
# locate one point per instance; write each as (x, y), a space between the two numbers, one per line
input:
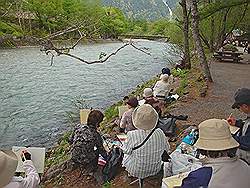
(139, 49)
(49, 47)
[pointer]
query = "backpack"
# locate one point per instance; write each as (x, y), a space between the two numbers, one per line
(113, 164)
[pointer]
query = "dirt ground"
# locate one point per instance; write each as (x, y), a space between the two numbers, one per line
(227, 77)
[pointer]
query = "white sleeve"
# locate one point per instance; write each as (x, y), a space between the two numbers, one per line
(127, 149)
(32, 179)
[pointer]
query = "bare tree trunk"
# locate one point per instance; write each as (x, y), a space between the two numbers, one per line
(198, 43)
(186, 58)
(212, 34)
(223, 30)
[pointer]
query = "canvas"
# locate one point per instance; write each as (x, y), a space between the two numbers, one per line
(37, 156)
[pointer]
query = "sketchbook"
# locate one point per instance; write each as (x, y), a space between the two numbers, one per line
(37, 156)
(122, 137)
(174, 181)
(233, 129)
(84, 113)
(121, 110)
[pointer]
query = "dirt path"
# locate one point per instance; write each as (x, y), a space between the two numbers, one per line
(228, 77)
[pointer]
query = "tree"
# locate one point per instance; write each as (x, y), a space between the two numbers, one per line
(197, 39)
(186, 58)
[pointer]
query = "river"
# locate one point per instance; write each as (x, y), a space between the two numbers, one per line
(35, 96)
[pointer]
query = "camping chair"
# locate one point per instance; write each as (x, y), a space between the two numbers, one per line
(140, 180)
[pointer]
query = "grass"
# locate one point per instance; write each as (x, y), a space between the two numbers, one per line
(59, 153)
(188, 79)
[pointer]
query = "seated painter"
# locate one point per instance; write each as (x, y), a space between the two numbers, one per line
(242, 103)
(221, 167)
(8, 165)
(150, 99)
(162, 87)
(170, 76)
(86, 143)
(145, 161)
(126, 121)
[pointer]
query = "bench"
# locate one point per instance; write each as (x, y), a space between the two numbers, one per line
(228, 55)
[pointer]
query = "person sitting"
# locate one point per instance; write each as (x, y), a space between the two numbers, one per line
(168, 72)
(221, 167)
(126, 121)
(145, 161)
(87, 143)
(242, 102)
(8, 165)
(150, 99)
(125, 100)
(162, 87)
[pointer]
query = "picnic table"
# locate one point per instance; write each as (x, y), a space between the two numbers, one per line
(228, 55)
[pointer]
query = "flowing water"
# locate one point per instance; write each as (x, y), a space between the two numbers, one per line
(34, 96)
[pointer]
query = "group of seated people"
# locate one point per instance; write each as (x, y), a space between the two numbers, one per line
(226, 162)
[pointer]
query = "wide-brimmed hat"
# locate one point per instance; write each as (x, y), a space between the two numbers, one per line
(242, 96)
(145, 117)
(214, 135)
(164, 77)
(133, 102)
(147, 92)
(8, 164)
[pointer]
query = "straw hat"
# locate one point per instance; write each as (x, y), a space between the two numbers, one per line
(8, 164)
(214, 135)
(148, 92)
(145, 117)
(164, 77)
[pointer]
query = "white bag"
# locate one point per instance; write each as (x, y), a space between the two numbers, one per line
(183, 163)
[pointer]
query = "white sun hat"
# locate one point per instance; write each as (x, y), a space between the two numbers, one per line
(214, 135)
(145, 117)
(8, 164)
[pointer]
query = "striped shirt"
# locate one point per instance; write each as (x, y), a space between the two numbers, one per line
(146, 160)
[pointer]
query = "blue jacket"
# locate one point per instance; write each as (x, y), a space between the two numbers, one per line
(243, 136)
(222, 172)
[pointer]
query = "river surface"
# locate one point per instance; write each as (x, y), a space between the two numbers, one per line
(34, 96)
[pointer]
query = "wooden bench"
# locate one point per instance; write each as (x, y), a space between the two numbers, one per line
(228, 55)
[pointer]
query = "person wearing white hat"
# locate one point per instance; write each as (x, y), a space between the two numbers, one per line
(8, 165)
(221, 166)
(145, 161)
(162, 87)
(150, 99)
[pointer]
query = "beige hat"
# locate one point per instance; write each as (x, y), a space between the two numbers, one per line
(145, 117)
(8, 164)
(214, 135)
(148, 92)
(164, 77)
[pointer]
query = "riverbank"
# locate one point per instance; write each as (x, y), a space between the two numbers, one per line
(10, 42)
(216, 104)
(61, 152)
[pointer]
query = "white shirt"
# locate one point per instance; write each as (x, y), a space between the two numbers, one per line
(161, 88)
(146, 160)
(31, 180)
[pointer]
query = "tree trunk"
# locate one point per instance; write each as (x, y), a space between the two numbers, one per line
(186, 58)
(197, 39)
(212, 34)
